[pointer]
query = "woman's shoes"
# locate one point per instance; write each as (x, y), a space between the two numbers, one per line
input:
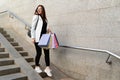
(37, 69)
(48, 71)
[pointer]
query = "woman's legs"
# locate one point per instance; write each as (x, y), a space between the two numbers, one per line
(38, 54)
(37, 58)
(47, 57)
(47, 60)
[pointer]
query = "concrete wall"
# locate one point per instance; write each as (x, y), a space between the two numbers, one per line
(85, 23)
(86, 64)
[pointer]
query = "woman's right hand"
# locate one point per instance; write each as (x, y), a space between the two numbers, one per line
(33, 40)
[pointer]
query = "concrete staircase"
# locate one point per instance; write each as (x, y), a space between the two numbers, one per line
(17, 47)
(13, 70)
(12, 64)
(8, 68)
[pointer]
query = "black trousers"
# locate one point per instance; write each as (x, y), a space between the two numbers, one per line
(38, 55)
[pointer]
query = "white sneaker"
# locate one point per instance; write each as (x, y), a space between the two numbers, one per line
(37, 69)
(48, 72)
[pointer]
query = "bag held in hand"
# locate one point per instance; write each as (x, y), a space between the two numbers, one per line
(55, 43)
(48, 41)
(44, 40)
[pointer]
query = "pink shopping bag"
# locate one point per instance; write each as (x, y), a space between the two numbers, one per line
(55, 43)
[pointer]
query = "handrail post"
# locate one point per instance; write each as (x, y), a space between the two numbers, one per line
(109, 61)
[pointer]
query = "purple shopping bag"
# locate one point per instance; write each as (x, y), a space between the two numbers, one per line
(44, 40)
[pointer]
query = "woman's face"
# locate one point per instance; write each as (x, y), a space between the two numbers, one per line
(39, 10)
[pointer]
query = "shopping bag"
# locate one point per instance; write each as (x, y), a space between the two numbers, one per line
(49, 44)
(48, 41)
(55, 43)
(44, 40)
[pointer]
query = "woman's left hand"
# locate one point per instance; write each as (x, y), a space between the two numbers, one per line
(49, 31)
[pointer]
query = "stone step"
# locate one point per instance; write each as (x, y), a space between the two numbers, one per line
(29, 59)
(10, 39)
(66, 79)
(9, 69)
(19, 48)
(23, 53)
(32, 64)
(1, 29)
(2, 49)
(14, 43)
(4, 54)
(16, 76)
(6, 35)
(6, 61)
(47, 78)
(58, 74)
(0, 44)
(3, 32)
(43, 75)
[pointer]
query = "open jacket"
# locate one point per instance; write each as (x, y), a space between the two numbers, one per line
(35, 33)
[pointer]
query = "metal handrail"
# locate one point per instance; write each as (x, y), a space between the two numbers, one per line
(82, 48)
(3, 12)
(91, 49)
(27, 26)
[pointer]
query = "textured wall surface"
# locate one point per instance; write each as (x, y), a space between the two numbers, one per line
(85, 23)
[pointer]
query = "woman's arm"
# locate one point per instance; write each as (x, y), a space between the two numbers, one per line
(34, 21)
(49, 29)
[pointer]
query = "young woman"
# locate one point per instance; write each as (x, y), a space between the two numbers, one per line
(39, 27)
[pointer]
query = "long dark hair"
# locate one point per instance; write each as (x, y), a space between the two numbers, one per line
(43, 15)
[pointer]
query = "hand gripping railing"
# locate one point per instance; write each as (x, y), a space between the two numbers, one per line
(27, 26)
(12, 15)
(91, 49)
